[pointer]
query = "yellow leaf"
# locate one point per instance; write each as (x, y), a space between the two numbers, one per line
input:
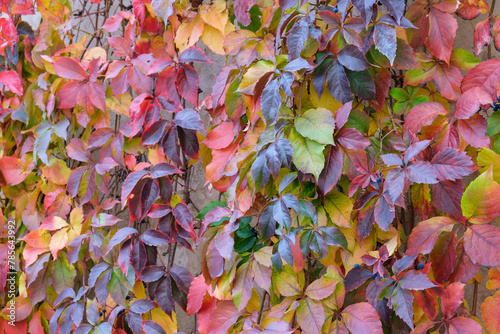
(96, 52)
(139, 291)
(58, 241)
(162, 319)
(189, 33)
(263, 256)
(76, 220)
(215, 14)
(486, 158)
(57, 171)
(213, 39)
(253, 75)
(254, 302)
(326, 100)
(119, 104)
(38, 239)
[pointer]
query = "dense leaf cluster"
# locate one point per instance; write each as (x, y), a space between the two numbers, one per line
(357, 154)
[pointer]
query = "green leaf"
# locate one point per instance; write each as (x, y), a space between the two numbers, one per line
(209, 207)
(399, 94)
(63, 274)
(362, 84)
(494, 124)
(481, 199)
(307, 154)
(463, 59)
(286, 282)
(316, 124)
(358, 120)
(339, 208)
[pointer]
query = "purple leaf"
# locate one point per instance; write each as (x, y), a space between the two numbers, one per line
(297, 65)
(163, 295)
(415, 149)
(350, 57)
(152, 273)
(270, 102)
(119, 236)
(421, 172)
(154, 133)
(130, 183)
(296, 38)
(188, 119)
(452, 164)
(153, 237)
(415, 280)
(401, 302)
(385, 41)
(142, 306)
(337, 83)
(193, 54)
(330, 175)
(391, 159)
(182, 277)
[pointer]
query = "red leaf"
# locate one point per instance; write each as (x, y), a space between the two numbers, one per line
(382, 85)
(241, 11)
(69, 93)
(485, 75)
(12, 81)
(77, 150)
(352, 139)
(220, 137)
(496, 33)
(490, 313)
(425, 234)
(99, 137)
(220, 158)
(97, 95)
(427, 302)
(443, 256)
(197, 291)
(470, 102)
(464, 326)
(362, 318)
(423, 115)
(68, 68)
(448, 78)
(223, 317)
(334, 163)
(454, 295)
(160, 64)
(443, 27)
(188, 83)
(482, 35)
(473, 130)
(11, 170)
(465, 269)
(468, 11)
(482, 244)
(310, 316)
(342, 115)
(446, 196)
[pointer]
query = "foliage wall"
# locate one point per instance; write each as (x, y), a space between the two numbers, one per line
(356, 151)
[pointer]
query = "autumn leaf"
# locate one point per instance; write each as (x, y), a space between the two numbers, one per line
(481, 199)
